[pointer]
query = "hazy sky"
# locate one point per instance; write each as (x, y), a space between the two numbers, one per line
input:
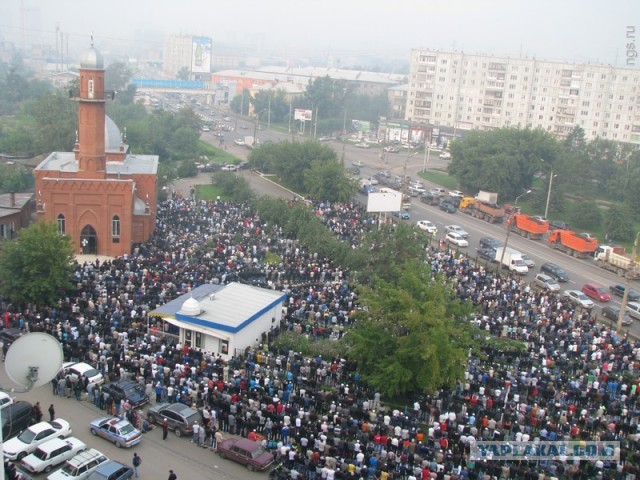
(573, 30)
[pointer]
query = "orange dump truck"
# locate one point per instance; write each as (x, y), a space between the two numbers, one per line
(572, 243)
(485, 210)
(528, 227)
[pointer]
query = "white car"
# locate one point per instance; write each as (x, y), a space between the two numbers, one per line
(19, 447)
(229, 168)
(52, 453)
(6, 400)
(577, 298)
(546, 282)
(357, 163)
(438, 192)
(528, 260)
(633, 309)
(427, 226)
(445, 155)
(82, 369)
(456, 194)
(239, 141)
(456, 239)
(81, 466)
(457, 229)
(362, 145)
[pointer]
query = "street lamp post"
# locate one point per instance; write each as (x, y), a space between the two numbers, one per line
(551, 177)
(627, 284)
(509, 222)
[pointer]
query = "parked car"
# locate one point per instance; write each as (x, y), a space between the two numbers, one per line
(358, 163)
(489, 242)
(229, 168)
(127, 390)
(633, 309)
(619, 291)
(180, 417)
(362, 145)
(578, 299)
(456, 239)
(445, 155)
(19, 447)
(543, 280)
(613, 313)
(448, 207)
(456, 194)
(487, 254)
(6, 400)
(457, 229)
(239, 142)
(596, 292)
(80, 466)
(430, 199)
(52, 453)
(118, 431)
(427, 226)
(558, 225)
(555, 271)
(438, 191)
(82, 369)
(404, 215)
(528, 260)
(391, 149)
(246, 452)
(112, 470)
(15, 418)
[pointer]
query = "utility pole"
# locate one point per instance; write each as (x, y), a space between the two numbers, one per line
(269, 113)
(627, 284)
(509, 223)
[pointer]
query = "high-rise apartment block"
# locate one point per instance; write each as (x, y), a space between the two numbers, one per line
(482, 92)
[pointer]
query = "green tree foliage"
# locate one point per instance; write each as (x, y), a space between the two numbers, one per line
(117, 77)
(183, 73)
(502, 161)
(585, 214)
(326, 181)
(271, 101)
(327, 95)
(618, 223)
(36, 267)
(290, 161)
(54, 118)
(411, 337)
(15, 179)
(234, 186)
(187, 168)
(242, 103)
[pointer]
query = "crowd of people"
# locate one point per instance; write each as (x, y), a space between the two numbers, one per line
(573, 378)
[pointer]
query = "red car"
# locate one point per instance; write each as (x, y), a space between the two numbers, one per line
(596, 292)
(246, 452)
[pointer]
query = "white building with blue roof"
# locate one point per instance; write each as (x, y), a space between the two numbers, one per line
(223, 319)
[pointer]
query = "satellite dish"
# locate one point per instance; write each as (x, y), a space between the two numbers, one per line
(33, 359)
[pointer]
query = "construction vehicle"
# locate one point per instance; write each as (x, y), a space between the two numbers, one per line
(528, 227)
(484, 206)
(615, 258)
(572, 243)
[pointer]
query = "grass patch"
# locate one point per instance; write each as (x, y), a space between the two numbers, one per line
(440, 178)
(217, 155)
(271, 258)
(209, 192)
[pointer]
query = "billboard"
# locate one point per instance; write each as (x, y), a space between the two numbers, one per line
(302, 114)
(386, 200)
(200, 55)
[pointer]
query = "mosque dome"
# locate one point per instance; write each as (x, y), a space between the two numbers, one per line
(112, 135)
(92, 59)
(190, 307)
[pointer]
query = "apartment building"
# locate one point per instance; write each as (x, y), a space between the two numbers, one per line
(482, 92)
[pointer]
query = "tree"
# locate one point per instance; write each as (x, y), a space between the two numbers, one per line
(37, 267)
(234, 186)
(586, 215)
(187, 169)
(271, 101)
(183, 73)
(241, 103)
(502, 161)
(411, 337)
(117, 77)
(618, 223)
(327, 181)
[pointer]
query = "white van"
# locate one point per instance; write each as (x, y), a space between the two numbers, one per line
(80, 466)
(633, 309)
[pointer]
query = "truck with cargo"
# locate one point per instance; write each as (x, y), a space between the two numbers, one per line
(484, 206)
(572, 243)
(617, 260)
(527, 226)
(512, 259)
(251, 142)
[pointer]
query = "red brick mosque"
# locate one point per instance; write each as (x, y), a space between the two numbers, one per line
(100, 195)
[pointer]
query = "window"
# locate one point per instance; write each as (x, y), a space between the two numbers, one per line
(115, 229)
(187, 338)
(61, 224)
(198, 340)
(90, 88)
